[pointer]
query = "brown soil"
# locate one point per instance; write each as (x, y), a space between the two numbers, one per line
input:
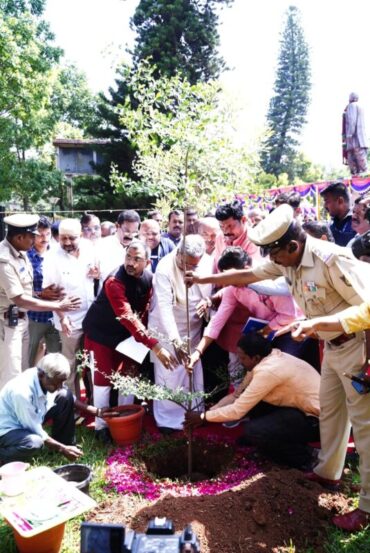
(208, 459)
(267, 513)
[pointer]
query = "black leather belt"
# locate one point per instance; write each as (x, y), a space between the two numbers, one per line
(342, 339)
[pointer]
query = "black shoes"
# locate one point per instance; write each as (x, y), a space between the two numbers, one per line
(103, 436)
(166, 431)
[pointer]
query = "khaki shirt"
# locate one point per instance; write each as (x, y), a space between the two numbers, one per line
(328, 280)
(16, 275)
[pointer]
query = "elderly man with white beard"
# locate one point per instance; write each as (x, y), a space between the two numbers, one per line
(168, 318)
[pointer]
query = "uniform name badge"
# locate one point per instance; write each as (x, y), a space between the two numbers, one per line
(309, 286)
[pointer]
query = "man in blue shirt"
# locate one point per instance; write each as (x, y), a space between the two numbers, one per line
(175, 226)
(150, 233)
(40, 323)
(337, 203)
(36, 395)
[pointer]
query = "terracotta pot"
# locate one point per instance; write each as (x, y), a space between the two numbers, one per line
(49, 541)
(126, 429)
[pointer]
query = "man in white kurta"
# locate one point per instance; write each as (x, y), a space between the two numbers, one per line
(72, 268)
(168, 321)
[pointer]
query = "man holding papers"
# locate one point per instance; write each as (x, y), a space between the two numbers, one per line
(118, 313)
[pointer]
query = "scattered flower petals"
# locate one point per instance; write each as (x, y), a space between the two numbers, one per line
(127, 477)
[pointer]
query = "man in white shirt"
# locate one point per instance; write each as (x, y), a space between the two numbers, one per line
(71, 268)
(112, 250)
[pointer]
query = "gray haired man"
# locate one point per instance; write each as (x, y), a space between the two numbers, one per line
(36, 395)
(168, 318)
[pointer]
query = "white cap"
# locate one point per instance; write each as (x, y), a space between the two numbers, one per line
(23, 222)
(70, 226)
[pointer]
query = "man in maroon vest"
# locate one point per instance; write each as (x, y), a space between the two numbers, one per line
(121, 311)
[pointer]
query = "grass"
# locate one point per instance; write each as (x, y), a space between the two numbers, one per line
(95, 455)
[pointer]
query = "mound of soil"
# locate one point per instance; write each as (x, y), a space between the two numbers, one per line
(268, 512)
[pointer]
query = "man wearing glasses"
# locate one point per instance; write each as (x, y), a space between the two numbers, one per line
(111, 251)
(90, 225)
(168, 318)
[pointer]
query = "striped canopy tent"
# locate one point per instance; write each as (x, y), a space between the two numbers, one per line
(357, 185)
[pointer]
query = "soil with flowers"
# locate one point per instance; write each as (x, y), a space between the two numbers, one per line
(251, 505)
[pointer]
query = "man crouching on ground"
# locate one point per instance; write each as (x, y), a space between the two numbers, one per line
(280, 396)
(37, 395)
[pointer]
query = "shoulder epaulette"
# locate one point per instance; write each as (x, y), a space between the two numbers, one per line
(326, 257)
(4, 255)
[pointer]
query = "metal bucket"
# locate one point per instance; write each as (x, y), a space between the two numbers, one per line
(79, 475)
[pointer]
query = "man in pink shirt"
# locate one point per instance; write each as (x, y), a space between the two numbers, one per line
(280, 396)
(274, 309)
(234, 232)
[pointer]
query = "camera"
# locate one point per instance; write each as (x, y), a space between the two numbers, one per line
(361, 245)
(159, 537)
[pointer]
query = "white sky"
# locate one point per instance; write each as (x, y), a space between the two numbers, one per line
(95, 33)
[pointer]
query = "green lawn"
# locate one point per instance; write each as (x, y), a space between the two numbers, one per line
(95, 455)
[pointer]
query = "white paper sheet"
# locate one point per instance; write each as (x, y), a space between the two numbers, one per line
(133, 349)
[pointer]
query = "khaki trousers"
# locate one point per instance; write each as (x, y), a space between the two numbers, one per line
(37, 331)
(341, 406)
(13, 350)
(70, 346)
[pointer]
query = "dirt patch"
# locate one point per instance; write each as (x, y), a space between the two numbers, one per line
(268, 512)
(170, 461)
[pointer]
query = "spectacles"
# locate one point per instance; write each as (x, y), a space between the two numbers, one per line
(91, 229)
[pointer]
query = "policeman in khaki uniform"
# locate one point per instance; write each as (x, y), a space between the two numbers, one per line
(16, 278)
(324, 279)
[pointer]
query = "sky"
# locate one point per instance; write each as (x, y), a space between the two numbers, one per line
(95, 35)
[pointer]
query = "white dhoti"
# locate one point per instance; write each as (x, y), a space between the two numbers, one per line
(168, 318)
(167, 413)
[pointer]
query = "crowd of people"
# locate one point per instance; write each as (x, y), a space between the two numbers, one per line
(191, 287)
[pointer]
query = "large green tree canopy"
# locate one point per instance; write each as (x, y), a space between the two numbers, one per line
(36, 93)
(186, 144)
(179, 36)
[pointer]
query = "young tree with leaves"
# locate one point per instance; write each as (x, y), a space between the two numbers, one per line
(187, 149)
(288, 107)
(179, 36)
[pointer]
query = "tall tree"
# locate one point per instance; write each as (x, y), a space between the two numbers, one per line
(36, 93)
(27, 59)
(288, 107)
(179, 36)
(72, 102)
